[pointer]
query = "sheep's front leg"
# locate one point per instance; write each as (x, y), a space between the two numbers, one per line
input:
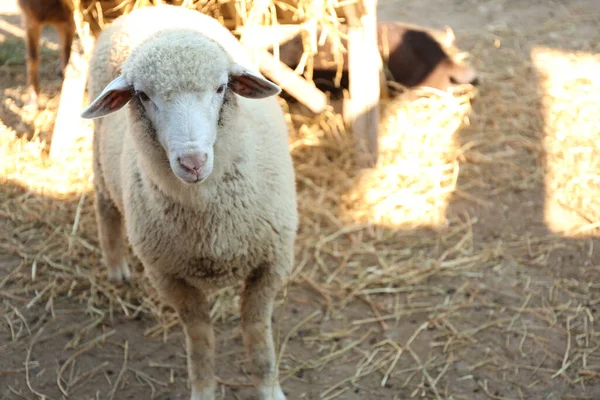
(194, 313)
(110, 233)
(256, 310)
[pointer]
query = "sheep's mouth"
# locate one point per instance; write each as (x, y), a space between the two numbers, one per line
(188, 177)
(189, 174)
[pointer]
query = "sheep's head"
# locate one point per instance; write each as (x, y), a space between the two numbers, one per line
(179, 83)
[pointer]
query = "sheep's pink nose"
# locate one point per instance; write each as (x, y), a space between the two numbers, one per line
(193, 163)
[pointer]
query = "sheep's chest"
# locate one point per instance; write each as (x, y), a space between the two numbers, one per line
(216, 246)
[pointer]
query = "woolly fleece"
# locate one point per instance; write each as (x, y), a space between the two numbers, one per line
(244, 216)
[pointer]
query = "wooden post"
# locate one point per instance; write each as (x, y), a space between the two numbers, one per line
(68, 126)
(364, 69)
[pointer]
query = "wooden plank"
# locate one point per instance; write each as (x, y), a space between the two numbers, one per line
(68, 126)
(306, 92)
(364, 69)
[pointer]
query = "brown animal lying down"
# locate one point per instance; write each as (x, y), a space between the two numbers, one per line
(36, 14)
(412, 56)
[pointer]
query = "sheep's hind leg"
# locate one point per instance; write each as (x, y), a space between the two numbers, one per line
(110, 232)
(66, 33)
(256, 311)
(194, 313)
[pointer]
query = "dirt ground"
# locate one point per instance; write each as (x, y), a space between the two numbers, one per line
(496, 305)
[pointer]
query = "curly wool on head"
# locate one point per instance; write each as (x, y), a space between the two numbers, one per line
(179, 53)
(130, 31)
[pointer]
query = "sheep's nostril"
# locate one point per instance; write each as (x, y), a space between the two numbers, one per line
(193, 162)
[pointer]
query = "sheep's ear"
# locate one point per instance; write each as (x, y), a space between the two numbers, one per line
(248, 84)
(114, 96)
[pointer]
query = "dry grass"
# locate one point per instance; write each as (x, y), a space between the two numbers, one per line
(489, 304)
(311, 16)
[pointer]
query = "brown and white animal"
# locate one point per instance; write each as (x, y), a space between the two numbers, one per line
(36, 14)
(416, 56)
(413, 56)
(191, 158)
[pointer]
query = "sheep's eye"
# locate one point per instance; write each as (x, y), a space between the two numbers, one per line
(221, 89)
(143, 96)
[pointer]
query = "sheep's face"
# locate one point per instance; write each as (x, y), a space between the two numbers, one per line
(186, 125)
(180, 82)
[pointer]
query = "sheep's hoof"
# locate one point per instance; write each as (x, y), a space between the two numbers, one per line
(270, 393)
(119, 273)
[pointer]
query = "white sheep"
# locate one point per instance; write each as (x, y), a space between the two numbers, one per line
(198, 171)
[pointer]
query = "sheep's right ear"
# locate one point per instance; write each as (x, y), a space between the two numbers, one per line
(114, 96)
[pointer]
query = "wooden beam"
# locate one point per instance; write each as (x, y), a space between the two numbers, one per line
(364, 69)
(306, 92)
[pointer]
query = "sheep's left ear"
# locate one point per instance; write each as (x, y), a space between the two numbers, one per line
(248, 84)
(114, 96)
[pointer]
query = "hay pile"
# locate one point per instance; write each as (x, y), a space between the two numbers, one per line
(240, 17)
(418, 166)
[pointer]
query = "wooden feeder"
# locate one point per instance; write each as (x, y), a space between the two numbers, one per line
(357, 20)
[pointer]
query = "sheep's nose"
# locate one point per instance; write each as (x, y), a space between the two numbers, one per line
(193, 163)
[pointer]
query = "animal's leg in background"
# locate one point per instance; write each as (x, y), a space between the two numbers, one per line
(193, 309)
(32, 49)
(66, 33)
(110, 232)
(258, 295)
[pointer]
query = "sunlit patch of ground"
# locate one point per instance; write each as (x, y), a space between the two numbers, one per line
(570, 91)
(418, 165)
